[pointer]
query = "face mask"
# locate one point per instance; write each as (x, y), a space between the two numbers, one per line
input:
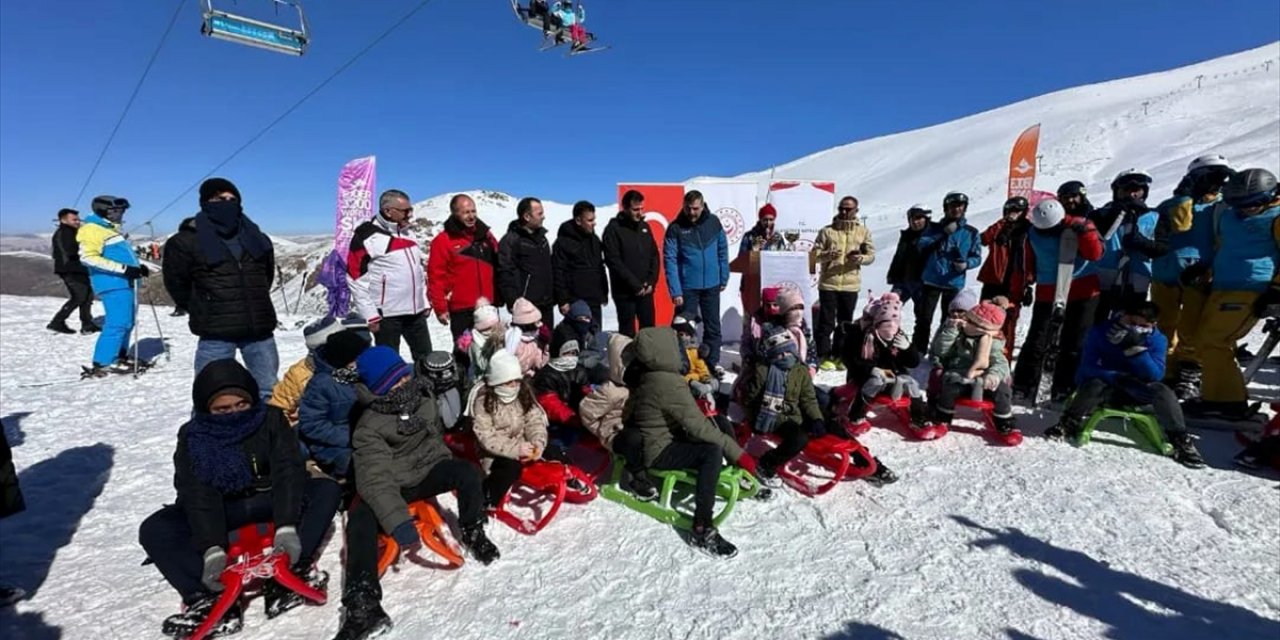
(795, 317)
(506, 394)
(565, 363)
(223, 213)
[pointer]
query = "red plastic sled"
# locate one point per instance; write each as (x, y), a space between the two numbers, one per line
(545, 478)
(987, 408)
(252, 557)
(833, 453)
(902, 409)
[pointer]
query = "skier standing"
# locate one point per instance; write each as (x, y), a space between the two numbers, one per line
(114, 271)
(1128, 228)
(1008, 270)
(951, 247)
(1180, 278)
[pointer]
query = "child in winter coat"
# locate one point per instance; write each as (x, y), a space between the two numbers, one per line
(487, 335)
(699, 376)
(526, 339)
(287, 394)
(440, 372)
(399, 456)
(877, 356)
(791, 316)
(674, 432)
(1123, 363)
(510, 426)
(601, 413)
(972, 353)
(561, 385)
(238, 462)
(326, 411)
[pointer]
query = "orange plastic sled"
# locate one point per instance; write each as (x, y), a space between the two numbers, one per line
(432, 529)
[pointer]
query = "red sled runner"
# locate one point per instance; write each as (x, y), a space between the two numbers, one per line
(977, 400)
(900, 407)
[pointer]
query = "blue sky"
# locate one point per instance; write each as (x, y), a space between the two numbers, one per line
(458, 98)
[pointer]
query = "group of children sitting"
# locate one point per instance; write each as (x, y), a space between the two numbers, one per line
(354, 426)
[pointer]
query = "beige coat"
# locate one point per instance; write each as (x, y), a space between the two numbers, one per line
(601, 410)
(841, 250)
(501, 433)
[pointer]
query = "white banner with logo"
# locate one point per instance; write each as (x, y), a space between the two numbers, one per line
(789, 270)
(735, 204)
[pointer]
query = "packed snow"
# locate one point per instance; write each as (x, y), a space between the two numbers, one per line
(1042, 541)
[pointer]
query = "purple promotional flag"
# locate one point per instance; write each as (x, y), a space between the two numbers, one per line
(333, 276)
(355, 200)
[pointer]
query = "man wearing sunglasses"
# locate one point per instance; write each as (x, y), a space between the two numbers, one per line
(841, 248)
(113, 271)
(387, 278)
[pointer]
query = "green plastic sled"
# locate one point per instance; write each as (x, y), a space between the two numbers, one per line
(1149, 431)
(728, 488)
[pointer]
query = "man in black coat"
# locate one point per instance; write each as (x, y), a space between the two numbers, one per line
(632, 257)
(220, 267)
(524, 260)
(906, 271)
(578, 260)
(66, 263)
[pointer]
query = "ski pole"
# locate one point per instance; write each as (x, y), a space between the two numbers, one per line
(302, 288)
(155, 314)
(134, 330)
(1272, 329)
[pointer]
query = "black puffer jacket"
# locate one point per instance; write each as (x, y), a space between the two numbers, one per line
(908, 261)
(227, 301)
(274, 456)
(66, 251)
(631, 254)
(578, 259)
(524, 266)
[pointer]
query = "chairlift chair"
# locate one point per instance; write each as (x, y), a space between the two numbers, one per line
(257, 33)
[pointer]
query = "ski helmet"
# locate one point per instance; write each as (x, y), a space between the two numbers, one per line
(1208, 161)
(110, 207)
(1250, 188)
(1207, 174)
(1016, 203)
(1132, 178)
(1048, 214)
(1072, 188)
(919, 210)
(955, 197)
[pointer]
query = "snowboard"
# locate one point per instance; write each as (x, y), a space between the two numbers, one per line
(1052, 340)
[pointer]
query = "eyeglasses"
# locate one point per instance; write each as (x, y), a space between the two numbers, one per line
(405, 210)
(847, 209)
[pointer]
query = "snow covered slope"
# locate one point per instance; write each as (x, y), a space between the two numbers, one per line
(1042, 541)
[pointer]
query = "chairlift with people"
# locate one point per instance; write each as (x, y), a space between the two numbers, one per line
(539, 15)
(256, 32)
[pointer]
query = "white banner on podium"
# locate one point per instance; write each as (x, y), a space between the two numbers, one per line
(789, 269)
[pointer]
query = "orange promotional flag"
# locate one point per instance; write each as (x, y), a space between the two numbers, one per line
(1022, 163)
(662, 203)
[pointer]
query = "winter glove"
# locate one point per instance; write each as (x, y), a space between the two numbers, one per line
(901, 342)
(406, 536)
(1268, 304)
(959, 265)
(748, 463)
(700, 389)
(817, 428)
(133, 273)
(288, 543)
(1194, 275)
(1028, 295)
(215, 560)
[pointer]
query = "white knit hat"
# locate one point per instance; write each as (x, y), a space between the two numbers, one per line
(964, 301)
(316, 333)
(503, 368)
(485, 317)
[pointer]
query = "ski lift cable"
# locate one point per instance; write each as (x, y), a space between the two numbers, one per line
(128, 105)
(287, 112)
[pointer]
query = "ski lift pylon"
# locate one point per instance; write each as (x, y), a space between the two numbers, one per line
(257, 33)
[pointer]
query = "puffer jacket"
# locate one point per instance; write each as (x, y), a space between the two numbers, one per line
(105, 253)
(631, 254)
(501, 433)
(955, 351)
(601, 410)
(578, 260)
(907, 266)
(848, 239)
(801, 400)
(886, 356)
(1107, 362)
(386, 271)
(530, 350)
(695, 254)
(1008, 263)
(324, 420)
(388, 461)
(1133, 242)
(66, 251)
(661, 406)
(1045, 245)
(288, 392)
(460, 266)
(560, 393)
(230, 300)
(943, 249)
(1248, 250)
(524, 266)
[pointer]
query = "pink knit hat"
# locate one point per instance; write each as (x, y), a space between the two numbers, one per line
(523, 312)
(882, 318)
(986, 316)
(788, 299)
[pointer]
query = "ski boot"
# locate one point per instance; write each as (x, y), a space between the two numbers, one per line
(639, 485)
(362, 614)
(706, 539)
(1187, 384)
(1184, 450)
(478, 544)
(277, 599)
(59, 327)
(182, 625)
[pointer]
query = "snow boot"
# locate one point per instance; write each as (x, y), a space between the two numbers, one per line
(1243, 355)
(183, 625)
(706, 539)
(277, 599)
(919, 412)
(478, 544)
(767, 473)
(1067, 428)
(883, 475)
(59, 327)
(90, 328)
(10, 595)
(362, 614)
(1184, 450)
(639, 486)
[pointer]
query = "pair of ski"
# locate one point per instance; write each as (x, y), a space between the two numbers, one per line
(1051, 340)
(86, 373)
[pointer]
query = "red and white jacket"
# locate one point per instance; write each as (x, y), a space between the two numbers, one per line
(385, 271)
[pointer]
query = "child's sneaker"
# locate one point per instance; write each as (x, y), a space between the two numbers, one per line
(478, 544)
(183, 625)
(639, 486)
(883, 475)
(1185, 452)
(707, 540)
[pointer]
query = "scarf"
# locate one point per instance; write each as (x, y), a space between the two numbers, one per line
(775, 391)
(221, 221)
(213, 442)
(403, 402)
(345, 375)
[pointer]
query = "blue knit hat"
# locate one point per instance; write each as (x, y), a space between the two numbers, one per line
(579, 309)
(380, 368)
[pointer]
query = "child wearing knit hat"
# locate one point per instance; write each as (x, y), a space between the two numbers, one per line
(287, 394)
(487, 335)
(878, 359)
(510, 426)
(526, 339)
(970, 355)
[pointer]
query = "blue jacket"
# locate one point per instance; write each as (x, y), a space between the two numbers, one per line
(105, 253)
(1141, 238)
(564, 10)
(324, 420)
(1248, 250)
(695, 255)
(941, 250)
(1188, 228)
(1105, 361)
(1046, 244)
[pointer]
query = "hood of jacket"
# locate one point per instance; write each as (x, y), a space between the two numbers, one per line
(618, 344)
(571, 231)
(658, 349)
(623, 218)
(454, 227)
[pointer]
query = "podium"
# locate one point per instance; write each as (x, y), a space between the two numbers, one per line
(748, 264)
